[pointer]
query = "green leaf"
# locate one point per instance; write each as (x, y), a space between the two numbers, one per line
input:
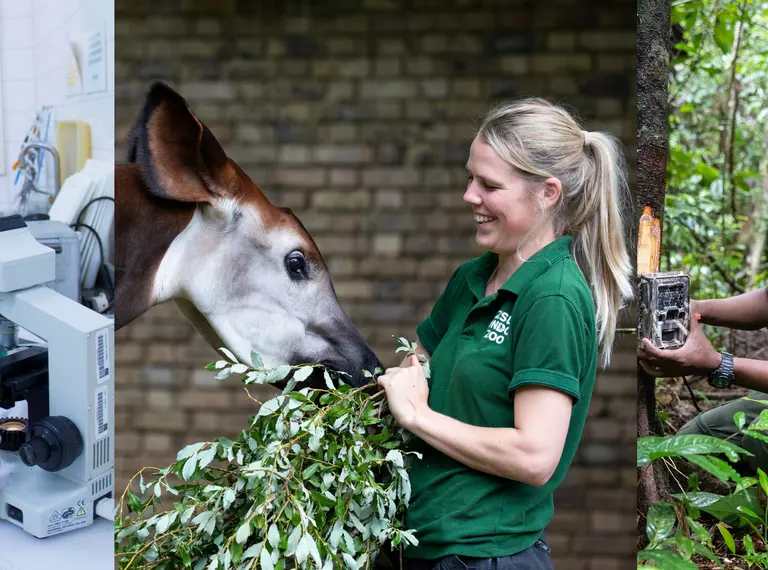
(314, 552)
(309, 471)
(666, 559)
(203, 519)
(223, 374)
(279, 373)
(302, 550)
(727, 537)
(724, 35)
(724, 508)
(395, 457)
(716, 467)
(699, 530)
(763, 480)
(243, 533)
(338, 526)
(187, 514)
(302, 374)
(708, 173)
(293, 541)
(328, 381)
(269, 407)
(740, 418)
(228, 354)
(661, 521)
(654, 447)
(207, 456)
(164, 522)
(189, 468)
(273, 536)
(266, 560)
(253, 551)
(184, 553)
(256, 360)
(134, 503)
(228, 498)
(189, 450)
(237, 552)
(349, 561)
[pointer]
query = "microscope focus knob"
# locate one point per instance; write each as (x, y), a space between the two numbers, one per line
(54, 443)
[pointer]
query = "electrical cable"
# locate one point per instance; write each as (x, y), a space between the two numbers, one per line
(110, 285)
(693, 397)
(103, 263)
(99, 198)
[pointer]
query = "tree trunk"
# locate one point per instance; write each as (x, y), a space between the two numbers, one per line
(653, 31)
(760, 217)
(733, 106)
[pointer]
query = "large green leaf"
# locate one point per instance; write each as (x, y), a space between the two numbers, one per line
(654, 447)
(724, 508)
(666, 559)
(727, 537)
(661, 521)
(716, 466)
(708, 173)
(724, 35)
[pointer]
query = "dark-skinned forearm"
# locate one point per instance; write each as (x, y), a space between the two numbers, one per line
(752, 374)
(744, 312)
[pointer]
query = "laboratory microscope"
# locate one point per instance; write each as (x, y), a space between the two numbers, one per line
(57, 464)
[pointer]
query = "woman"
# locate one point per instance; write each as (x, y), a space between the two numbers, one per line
(513, 341)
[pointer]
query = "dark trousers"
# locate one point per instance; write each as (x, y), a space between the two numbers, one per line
(537, 557)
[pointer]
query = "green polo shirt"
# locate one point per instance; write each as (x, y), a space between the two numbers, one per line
(538, 329)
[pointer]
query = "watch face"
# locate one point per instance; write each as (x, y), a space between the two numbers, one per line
(718, 381)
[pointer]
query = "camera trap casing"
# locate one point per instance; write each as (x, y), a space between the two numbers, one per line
(663, 313)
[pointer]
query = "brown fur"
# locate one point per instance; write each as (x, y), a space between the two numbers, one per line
(145, 227)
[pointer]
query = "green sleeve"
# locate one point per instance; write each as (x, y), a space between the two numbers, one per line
(550, 346)
(432, 329)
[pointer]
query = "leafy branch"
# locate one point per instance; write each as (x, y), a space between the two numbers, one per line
(319, 479)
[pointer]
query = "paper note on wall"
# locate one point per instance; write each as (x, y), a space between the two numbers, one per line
(74, 82)
(95, 66)
(87, 63)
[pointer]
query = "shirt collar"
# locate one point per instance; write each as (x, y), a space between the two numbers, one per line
(538, 263)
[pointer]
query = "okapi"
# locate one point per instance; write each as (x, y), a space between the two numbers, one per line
(193, 228)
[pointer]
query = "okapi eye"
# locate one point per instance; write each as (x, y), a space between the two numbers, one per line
(296, 265)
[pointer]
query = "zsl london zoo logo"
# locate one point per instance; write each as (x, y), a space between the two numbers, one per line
(499, 327)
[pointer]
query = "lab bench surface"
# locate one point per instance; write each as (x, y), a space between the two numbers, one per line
(90, 548)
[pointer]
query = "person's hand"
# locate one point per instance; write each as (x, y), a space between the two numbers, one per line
(407, 391)
(696, 356)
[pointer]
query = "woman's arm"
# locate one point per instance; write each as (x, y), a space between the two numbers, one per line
(529, 452)
(748, 311)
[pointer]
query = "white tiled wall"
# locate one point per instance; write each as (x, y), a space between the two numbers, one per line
(34, 36)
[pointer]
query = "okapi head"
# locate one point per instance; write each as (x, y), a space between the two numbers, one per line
(193, 228)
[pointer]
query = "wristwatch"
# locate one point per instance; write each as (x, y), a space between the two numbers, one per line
(723, 376)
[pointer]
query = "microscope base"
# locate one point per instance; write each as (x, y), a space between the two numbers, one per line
(42, 503)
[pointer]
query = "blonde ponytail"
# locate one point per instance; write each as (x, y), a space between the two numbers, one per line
(540, 140)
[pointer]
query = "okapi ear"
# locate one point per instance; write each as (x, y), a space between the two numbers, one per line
(180, 159)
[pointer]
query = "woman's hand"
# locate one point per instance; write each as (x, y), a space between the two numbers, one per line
(407, 391)
(696, 356)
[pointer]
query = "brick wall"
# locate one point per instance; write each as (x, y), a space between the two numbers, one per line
(358, 115)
